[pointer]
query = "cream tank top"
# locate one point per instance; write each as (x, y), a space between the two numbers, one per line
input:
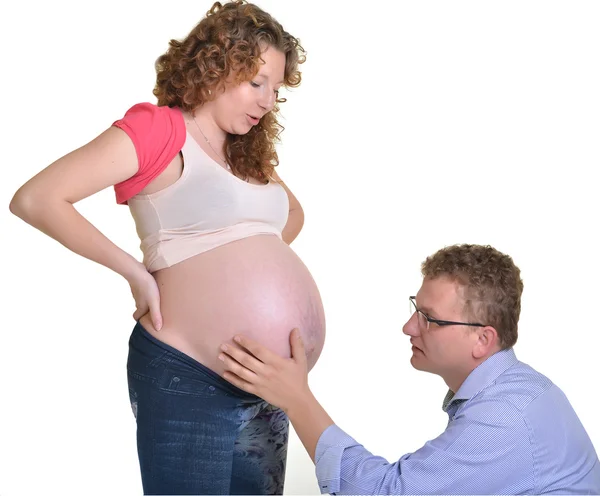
(205, 208)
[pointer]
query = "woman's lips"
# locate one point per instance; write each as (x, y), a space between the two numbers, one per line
(253, 120)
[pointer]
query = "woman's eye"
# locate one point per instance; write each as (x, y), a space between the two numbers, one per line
(254, 85)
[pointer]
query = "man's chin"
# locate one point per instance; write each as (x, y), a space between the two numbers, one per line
(416, 362)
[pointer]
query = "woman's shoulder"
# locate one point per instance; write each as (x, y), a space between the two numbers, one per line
(149, 116)
(158, 134)
(153, 128)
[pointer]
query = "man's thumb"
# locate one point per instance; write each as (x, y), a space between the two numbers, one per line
(297, 344)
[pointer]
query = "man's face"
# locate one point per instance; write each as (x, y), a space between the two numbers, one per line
(443, 350)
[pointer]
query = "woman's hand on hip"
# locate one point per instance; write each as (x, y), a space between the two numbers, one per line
(146, 295)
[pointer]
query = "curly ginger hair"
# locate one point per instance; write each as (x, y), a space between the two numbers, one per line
(225, 44)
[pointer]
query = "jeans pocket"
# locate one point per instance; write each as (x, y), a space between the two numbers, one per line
(182, 382)
(145, 367)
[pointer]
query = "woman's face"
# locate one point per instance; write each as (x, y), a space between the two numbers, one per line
(241, 106)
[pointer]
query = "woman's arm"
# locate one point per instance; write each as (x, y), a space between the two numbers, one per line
(46, 200)
(295, 217)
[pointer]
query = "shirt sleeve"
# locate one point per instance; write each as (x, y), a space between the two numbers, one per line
(474, 455)
(158, 134)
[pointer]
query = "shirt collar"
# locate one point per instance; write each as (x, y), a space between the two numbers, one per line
(482, 376)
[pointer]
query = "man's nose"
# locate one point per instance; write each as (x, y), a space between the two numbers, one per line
(411, 328)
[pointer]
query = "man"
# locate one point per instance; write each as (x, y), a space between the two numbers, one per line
(510, 429)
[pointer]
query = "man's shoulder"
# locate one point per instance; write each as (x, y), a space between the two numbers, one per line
(515, 389)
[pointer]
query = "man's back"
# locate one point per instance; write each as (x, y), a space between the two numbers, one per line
(563, 458)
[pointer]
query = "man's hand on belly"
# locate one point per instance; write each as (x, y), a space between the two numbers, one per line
(258, 370)
(282, 382)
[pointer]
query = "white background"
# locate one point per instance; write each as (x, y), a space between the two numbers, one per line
(419, 124)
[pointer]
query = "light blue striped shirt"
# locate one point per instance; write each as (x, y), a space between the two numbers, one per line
(510, 431)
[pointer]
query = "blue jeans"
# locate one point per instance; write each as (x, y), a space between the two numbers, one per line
(197, 433)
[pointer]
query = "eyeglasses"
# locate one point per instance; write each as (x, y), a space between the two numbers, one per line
(424, 320)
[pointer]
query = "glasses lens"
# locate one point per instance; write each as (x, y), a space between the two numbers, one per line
(423, 322)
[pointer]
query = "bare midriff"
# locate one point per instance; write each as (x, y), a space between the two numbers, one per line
(256, 286)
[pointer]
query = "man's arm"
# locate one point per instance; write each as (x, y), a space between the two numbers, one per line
(484, 450)
(310, 420)
(472, 456)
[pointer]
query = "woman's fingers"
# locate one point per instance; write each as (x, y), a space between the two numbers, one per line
(155, 315)
(139, 312)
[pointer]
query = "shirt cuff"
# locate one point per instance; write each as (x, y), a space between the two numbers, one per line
(328, 458)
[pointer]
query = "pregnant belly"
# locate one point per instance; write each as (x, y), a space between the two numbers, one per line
(256, 286)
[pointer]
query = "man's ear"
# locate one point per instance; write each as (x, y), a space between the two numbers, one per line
(487, 342)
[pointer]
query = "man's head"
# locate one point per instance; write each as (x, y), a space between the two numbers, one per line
(475, 291)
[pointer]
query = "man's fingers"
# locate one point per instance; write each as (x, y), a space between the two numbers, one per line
(240, 383)
(243, 357)
(241, 364)
(297, 346)
(263, 354)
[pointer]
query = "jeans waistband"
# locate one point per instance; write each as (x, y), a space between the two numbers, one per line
(140, 337)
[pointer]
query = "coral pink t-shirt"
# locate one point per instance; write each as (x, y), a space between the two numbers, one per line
(158, 134)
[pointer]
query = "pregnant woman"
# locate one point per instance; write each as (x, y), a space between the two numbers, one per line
(214, 219)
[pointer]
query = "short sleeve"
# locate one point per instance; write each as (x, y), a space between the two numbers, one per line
(158, 134)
